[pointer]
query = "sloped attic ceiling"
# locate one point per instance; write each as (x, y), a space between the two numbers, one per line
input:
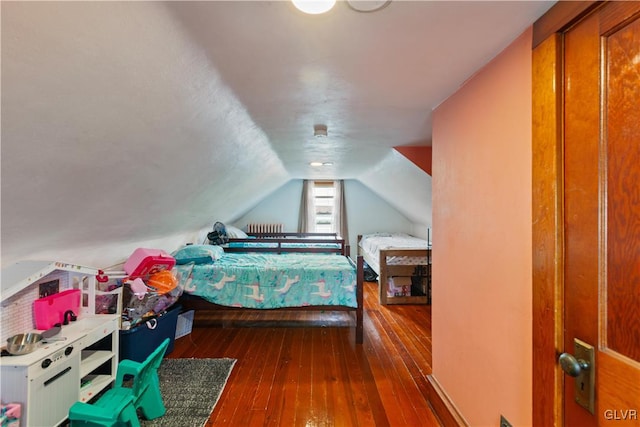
(117, 128)
(131, 122)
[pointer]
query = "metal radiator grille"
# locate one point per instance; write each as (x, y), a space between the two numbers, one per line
(264, 228)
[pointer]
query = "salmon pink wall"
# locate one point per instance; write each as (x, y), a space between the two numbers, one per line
(419, 155)
(482, 241)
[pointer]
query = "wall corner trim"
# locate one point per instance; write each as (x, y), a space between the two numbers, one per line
(442, 406)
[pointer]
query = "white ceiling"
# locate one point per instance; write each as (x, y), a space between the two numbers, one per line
(135, 121)
(372, 78)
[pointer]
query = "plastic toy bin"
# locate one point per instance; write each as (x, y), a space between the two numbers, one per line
(139, 342)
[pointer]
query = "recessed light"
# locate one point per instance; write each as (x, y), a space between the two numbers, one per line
(315, 164)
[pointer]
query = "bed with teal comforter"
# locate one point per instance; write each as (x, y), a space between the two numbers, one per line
(256, 280)
(275, 281)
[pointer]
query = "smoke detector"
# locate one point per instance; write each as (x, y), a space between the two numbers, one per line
(320, 131)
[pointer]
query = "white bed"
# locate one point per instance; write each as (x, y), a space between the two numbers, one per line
(398, 256)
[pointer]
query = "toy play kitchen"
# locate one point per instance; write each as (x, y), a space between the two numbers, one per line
(54, 375)
(44, 381)
(46, 377)
(54, 366)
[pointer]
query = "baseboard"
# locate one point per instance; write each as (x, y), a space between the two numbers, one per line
(442, 406)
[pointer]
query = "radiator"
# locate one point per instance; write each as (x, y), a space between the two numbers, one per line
(264, 228)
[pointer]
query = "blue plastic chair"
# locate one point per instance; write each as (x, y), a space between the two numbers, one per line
(137, 387)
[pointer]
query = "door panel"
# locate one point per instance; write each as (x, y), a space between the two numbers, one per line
(602, 209)
(619, 385)
(623, 195)
(581, 204)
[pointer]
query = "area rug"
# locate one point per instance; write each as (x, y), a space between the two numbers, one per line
(190, 390)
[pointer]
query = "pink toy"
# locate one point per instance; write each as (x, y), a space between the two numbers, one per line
(10, 414)
(50, 310)
(144, 262)
(138, 288)
(12, 410)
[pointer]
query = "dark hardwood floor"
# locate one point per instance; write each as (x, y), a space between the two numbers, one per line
(302, 368)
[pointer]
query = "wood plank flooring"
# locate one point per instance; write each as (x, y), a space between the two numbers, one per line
(304, 369)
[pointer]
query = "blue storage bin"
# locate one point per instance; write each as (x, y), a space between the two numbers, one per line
(139, 342)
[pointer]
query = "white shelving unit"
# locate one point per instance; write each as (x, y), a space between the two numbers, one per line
(98, 357)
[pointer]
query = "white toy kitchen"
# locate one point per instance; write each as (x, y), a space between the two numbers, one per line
(74, 365)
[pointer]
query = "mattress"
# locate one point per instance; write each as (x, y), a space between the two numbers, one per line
(372, 244)
(264, 280)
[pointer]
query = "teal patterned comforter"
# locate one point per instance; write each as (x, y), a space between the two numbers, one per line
(272, 281)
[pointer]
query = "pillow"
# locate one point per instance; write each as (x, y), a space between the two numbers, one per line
(235, 233)
(198, 254)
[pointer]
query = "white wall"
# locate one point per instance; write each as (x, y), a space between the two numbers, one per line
(280, 207)
(391, 178)
(117, 135)
(366, 211)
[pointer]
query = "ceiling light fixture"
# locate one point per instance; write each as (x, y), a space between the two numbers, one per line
(315, 164)
(314, 7)
(368, 5)
(320, 131)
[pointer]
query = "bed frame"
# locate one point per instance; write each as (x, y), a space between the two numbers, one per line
(190, 302)
(387, 271)
(291, 237)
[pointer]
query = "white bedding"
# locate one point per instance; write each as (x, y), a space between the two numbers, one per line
(371, 244)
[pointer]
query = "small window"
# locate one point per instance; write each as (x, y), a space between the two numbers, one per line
(324, 196)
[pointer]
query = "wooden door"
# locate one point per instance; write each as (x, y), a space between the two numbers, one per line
(597, 230)
(602, 210)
